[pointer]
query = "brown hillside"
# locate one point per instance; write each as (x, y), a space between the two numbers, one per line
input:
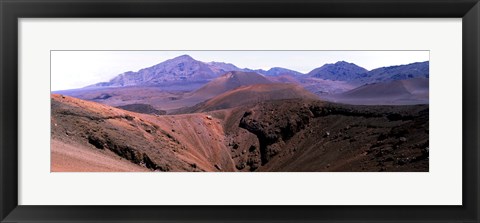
(251, 94)
(400, 92)
(229, 81)
(257, 93)
(166, 143)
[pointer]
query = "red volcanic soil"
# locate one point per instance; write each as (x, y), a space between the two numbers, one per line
(400, 92)
(229, 81)
(192, 142)
(251, 94)
(275, 135)
(79, 158)
(225, 83)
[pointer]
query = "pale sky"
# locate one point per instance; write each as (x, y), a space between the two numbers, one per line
(77, 69)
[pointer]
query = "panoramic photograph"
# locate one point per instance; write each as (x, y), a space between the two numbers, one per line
(239, 111)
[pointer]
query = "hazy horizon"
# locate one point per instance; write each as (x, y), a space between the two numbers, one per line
(77, 69)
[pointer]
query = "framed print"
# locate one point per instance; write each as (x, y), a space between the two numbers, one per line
(169, 111)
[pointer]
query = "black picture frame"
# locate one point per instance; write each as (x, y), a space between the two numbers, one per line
(12, 10)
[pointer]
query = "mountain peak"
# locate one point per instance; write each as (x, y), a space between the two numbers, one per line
(342, 62)
(183, 57)
(339, 71)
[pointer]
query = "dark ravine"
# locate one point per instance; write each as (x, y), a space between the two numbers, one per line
(124, 151)
(279, 128)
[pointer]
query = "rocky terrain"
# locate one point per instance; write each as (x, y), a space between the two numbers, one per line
(319, 136)
(155, 143)
(279, 135)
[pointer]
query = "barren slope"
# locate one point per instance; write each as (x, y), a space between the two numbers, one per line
(227, 82)
(400, 92)
(251, 94)
(181, 143)
(80, 158)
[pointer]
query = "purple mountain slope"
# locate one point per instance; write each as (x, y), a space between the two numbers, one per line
(349, 72)
(400, 72)
(182, 69)
(177, 69)
(339, 71)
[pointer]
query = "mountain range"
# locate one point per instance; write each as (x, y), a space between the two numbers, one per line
(185, 69)
(182, 69)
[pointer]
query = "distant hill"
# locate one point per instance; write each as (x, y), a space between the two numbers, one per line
(277, 71)
(349, 72)
(226, 82)
(397, 92)
(252, 94)
(339, 71)
(400, 72)
(284, 78)
(220, 67)
(229, 81)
